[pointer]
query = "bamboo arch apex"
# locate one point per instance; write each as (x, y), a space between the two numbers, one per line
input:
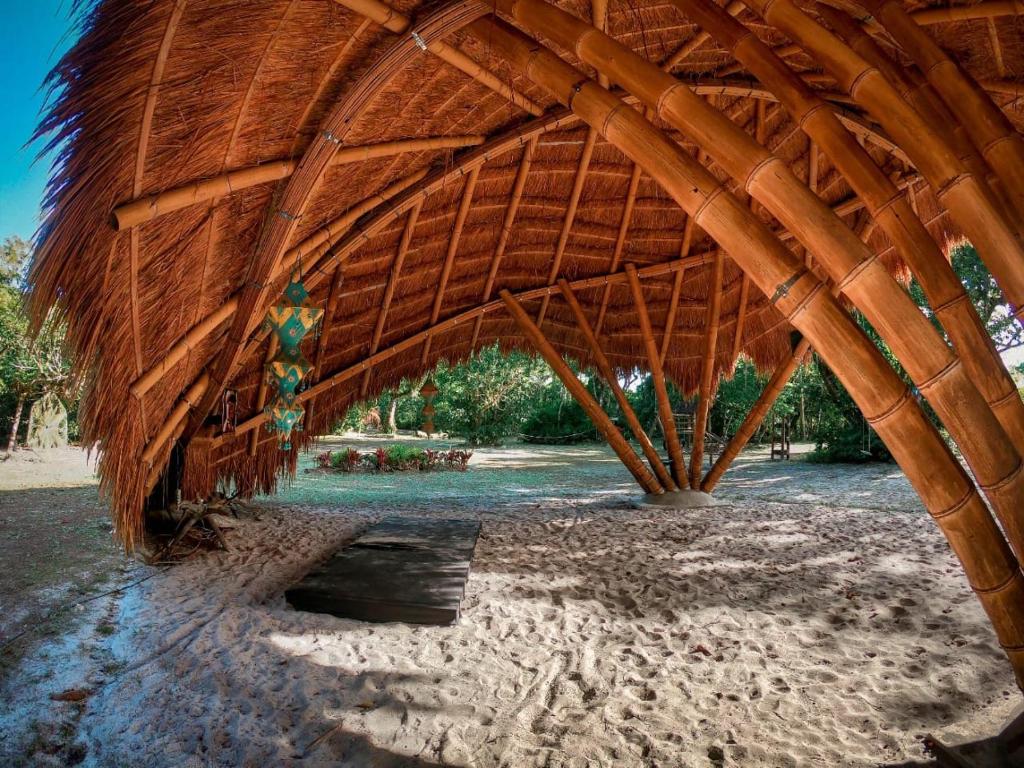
(153, 206)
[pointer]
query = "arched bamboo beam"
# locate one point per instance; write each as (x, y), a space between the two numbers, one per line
(506, 227)
(612, 380)
(389, 289)
(887, 205)
(668, 422)
(149, 207)
(779, 378)
(989, 129)
(305, 181)
(806, 302)
(579, 392)
(990, 9)
(707, 374)
(973, 209)
(856, 271)
(570, 215)
(395, 22)
(453, 247)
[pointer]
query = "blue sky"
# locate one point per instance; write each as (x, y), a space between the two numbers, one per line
(32, 38)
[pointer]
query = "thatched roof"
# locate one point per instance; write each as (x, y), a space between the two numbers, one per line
(169, 96)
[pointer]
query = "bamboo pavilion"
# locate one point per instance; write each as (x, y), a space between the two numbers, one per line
(664, 185)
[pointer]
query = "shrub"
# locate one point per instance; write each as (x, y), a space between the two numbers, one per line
(324, 460)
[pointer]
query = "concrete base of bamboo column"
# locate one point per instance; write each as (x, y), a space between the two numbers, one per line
(685, 499)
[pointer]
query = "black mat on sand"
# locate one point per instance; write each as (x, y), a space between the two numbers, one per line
(412, 571)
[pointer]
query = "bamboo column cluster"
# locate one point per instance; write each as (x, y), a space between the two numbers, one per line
(856, 271)
(601, 360)
(579, 392)
(665, 415)
(806, 302)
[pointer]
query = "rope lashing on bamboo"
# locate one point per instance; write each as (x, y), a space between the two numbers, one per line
(934, 472)
(855, 269)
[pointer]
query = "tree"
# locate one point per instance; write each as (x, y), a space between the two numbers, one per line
(985, 295)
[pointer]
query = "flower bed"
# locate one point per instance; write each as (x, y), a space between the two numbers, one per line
(394, 458)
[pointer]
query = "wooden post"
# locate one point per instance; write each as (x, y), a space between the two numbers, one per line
(856, 271)
(707, 375)
(601, 360)
(668, 422)
(780, 377)
(887, 205)
(806, 302)
(579, 392)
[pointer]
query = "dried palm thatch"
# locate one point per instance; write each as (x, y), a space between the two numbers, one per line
(210, 148)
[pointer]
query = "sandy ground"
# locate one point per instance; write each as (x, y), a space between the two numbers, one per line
(818, 619)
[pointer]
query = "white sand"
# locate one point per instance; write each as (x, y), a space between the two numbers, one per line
(761, 634)
(583, 642)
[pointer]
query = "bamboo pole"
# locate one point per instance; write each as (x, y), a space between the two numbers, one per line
(605, 367)
(176, 418)
(668, 421)
(149, 207)
(453, 246)
(806, 302)
(987, 126)
(971, 206)
(780, 377)
(677, 286)
(707, 375)
(620, 240)
(856, 271)
(579, 392)
(570, 216)
(506, 228)
(389, 289)
(887, 206)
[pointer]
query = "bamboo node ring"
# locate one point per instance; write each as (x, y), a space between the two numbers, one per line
(866, 72)
(665, 95)
(1008, 397)
(957, 506)
(942, 191)
(1006, 480)
(856, 272)
(819, 105)
(950, 304)
(756, 170)
(900, 402)
(929, 383)
(998, 140)
(805, 301)
(707, 201)
(998, 588)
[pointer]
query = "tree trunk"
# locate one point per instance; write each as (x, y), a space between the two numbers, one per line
(392, 416)
(12, 441)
